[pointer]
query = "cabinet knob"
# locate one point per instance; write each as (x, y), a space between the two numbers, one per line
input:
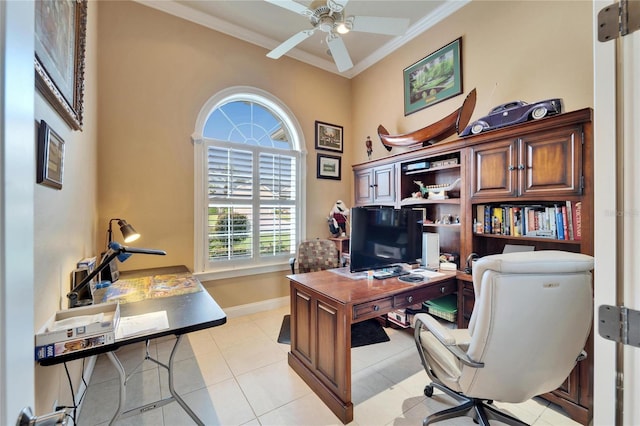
(511, 168)
(442, 289)
(376, 308)
(521, 167)
(409, 299)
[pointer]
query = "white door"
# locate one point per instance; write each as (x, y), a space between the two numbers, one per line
(605, 380)
(17, 165)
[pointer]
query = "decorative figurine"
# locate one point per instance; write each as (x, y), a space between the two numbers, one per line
(369, 147)
(436, 192)
(338, 218)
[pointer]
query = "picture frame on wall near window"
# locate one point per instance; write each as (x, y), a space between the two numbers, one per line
(329, 137)
(329, 167)
(60, 39)
(50, 168)
(434, 78)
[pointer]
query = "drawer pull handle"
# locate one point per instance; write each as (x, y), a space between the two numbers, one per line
(442, 289)
(376, 308)
(409, 299)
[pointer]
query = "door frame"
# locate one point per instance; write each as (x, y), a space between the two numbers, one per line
(605, 215)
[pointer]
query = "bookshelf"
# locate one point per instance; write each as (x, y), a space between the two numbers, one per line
(538, 164)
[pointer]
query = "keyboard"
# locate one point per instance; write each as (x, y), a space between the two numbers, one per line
(392, 272)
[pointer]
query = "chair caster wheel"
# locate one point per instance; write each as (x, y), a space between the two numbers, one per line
(428, 391)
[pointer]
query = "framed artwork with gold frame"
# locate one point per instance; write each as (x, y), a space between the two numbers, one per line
(60, 40)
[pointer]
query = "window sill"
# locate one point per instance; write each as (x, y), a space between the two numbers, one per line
(239, 271)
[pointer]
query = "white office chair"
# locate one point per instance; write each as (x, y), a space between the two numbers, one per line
(529, 325)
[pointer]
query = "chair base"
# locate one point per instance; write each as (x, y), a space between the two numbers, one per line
(472, 407)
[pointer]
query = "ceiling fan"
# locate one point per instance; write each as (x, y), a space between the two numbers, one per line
(329, 16)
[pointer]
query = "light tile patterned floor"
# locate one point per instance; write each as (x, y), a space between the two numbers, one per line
(237, 374)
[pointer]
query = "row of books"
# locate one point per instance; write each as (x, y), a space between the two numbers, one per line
(561, 221)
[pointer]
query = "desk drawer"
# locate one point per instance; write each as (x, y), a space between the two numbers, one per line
(422, 294)
(372, 309)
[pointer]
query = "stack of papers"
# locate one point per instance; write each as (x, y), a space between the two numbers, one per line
(142, 324)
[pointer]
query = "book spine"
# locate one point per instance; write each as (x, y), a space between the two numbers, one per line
(570, 220)
(531, 219)
(551, 215)
(565, 226)
(487, 219)
(559, 223)
(479, 227)
(577, 223)
(517, 221)
(497, 221)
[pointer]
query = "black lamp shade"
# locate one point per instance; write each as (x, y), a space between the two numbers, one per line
(128, 232)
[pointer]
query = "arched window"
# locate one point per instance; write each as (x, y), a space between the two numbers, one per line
(248, 172)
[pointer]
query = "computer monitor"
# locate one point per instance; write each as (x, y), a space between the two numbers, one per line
(384, 236)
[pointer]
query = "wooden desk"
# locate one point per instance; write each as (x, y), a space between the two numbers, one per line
(323, 307)
(186, 313)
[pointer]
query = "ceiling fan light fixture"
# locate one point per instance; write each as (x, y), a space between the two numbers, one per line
(345, 26)
(342, 28)
(326, 24)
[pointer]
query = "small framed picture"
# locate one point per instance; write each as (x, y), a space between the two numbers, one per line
(423, 212)
(328, 137)
(329, 167)
(50, 157)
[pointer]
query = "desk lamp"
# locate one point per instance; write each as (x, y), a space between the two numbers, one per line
(129, 234)
(115, 250)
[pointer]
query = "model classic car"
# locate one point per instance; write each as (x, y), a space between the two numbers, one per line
(512, 113)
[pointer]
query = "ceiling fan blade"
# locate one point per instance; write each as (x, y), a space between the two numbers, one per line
(289, 44)
(339, 53)
(337, 5)
(292, 6)
(379, 25)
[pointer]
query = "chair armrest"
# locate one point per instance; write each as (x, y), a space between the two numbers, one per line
(431, 324)
(445, 337)
(292, 264)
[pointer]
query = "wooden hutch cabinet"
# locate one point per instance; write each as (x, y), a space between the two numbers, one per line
(375, 185)
(539, 165)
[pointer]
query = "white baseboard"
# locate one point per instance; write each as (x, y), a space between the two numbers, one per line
(252, 308)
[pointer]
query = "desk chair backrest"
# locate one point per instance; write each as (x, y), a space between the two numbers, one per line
(316, 255)
(531, 319)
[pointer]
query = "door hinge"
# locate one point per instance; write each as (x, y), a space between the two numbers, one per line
(619, 324)
(618, 19)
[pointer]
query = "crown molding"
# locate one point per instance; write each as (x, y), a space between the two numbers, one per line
(181, 11)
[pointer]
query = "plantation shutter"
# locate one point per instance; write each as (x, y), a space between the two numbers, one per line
(277, 204)
(230, 175)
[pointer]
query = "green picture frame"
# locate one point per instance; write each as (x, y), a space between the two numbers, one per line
(434, 78)
(329, 167)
